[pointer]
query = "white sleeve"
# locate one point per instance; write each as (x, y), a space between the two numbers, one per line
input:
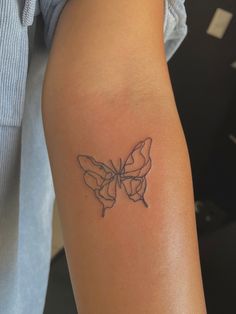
(175, 27)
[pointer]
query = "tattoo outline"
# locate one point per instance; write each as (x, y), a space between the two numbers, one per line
(103, 180)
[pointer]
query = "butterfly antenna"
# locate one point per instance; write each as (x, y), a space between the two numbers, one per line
(113, 165)
(120, 165)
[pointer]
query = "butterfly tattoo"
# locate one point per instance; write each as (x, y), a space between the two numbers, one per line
(131, 174)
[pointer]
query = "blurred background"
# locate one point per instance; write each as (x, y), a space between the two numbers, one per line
(203, 74)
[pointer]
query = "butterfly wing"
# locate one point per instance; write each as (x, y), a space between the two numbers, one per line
(135, 169)
(101, 179)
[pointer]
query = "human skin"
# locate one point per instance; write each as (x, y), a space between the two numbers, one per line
(107, 88)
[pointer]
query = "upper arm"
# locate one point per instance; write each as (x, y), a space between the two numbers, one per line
(104, 37)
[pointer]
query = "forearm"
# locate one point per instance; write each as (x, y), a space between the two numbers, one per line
(100, 99)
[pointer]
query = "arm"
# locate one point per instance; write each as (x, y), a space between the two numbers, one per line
(106, 89)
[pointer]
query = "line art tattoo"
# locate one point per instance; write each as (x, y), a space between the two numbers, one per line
(131, 174)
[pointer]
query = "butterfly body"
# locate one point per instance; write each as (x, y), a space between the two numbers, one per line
(131, 174)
